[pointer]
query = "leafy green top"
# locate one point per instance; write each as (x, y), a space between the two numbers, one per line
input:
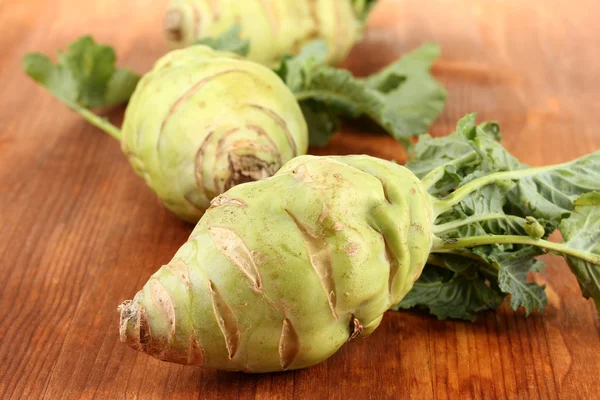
(85, 75)
(494, 216)
(582, 231)
(403, 98)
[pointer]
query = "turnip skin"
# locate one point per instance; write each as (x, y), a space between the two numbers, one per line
(275, 28)
(202, 121)
(280, 273)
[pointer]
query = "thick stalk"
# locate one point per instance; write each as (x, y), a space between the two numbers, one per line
(443, 246)
(443, 205)
(474, 219)
(95, 120)
(438, 173)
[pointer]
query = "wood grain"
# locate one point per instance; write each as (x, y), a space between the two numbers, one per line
(79, 232)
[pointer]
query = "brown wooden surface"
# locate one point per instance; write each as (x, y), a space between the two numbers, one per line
(79, 232)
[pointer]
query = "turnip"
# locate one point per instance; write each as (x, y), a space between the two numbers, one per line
(202, 120)
(275, 28)
(280, 273)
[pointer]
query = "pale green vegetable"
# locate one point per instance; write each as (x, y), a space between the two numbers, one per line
(280, 273)
(202, 121)
(198, 123)
(275, 28)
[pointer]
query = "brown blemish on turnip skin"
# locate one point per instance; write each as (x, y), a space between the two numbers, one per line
(289, 344)
(234, 249)
(248, 168)
(320, 258)
(356, 328)
(226, 320)
(173, 21)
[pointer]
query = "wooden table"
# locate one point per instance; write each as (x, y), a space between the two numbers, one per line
(79, 232)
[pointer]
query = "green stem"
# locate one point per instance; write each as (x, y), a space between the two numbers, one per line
(95, 120)
(457, 196)
(442, 246)
(438, 173)
(474, 219)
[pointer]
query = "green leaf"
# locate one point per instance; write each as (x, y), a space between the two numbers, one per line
(545, 193)
(550, 194)
(403, 98)
(230, 41)
(492, 208)
(297, 70)
(481, 213)
(56, 78)
(120, 86)
(432, 153)
(322, 125)
(410, 91)
(514, 268)
(581, 231)
(84, 75)
(345, 96)
(446, 294)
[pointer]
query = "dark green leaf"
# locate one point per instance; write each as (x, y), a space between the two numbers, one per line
(322, 125)
(523, 207)
(547, 193)
(343, 95)
(450, 295)
(514, 267)
(430, 153)
(482, 213)
(485, 209)
(550, 194)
